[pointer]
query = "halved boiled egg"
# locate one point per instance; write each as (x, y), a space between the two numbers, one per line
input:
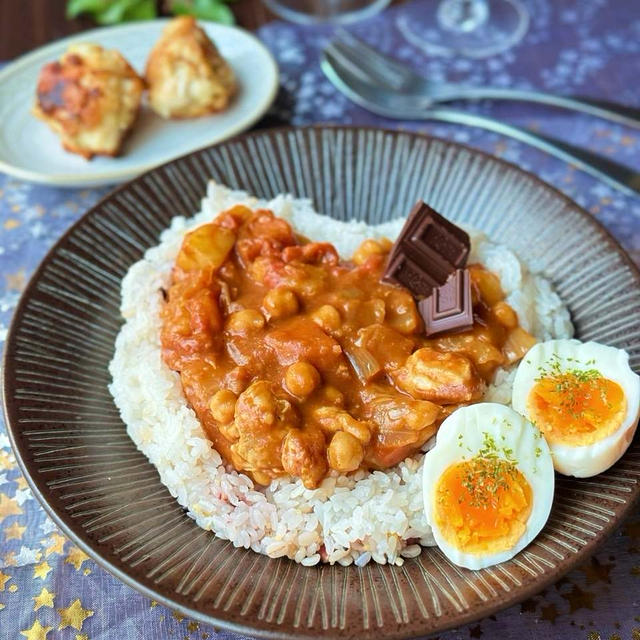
(487, 485)
(584, 398)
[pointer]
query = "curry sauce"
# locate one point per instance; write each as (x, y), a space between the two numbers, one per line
(298, 363)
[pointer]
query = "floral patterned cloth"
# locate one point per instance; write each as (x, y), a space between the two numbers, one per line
(50, 589)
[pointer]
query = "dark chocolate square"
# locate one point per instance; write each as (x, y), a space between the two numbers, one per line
(404, 271)
(435, 234)
(449, 307)
(434, 246)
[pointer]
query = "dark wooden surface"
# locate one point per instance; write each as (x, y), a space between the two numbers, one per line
(27, 24)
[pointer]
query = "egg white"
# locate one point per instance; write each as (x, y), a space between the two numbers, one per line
(461, 437)
(583, 461)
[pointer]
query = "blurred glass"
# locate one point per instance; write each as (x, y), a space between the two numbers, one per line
(335, 11)
(472, 28)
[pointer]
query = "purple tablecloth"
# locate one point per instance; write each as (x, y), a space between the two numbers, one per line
(49, 588)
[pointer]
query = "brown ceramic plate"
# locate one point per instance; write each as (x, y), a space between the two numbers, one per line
(75, 453)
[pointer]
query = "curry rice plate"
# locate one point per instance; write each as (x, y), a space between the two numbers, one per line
(354, 518)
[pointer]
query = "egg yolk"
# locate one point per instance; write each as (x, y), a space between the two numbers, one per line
(576, 407)
(482, 505)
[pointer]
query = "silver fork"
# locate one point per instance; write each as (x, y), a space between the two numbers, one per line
(395, 76)
(358, 85)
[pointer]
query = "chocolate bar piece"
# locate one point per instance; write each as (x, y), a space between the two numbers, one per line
(436, 234)
(449, 307)
(427, 251)
(402, 269)
(425, 226)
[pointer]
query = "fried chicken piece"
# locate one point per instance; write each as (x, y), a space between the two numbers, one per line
(90, 98)
(186, 74)
(442, 377)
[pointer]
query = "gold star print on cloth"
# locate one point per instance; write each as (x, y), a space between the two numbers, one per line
(550, 613)
(8, 507)
(41, 570)
(43, 599)
(76, 557)
(7, 461)
(16, 281)
(74, 615)
(4, 578)
(11, 223)
(36, 632)
(56, 544)
(596, 571)
(578, 599)
(14, 532)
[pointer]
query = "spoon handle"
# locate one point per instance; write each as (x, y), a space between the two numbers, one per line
(601, 108)
(613, 173)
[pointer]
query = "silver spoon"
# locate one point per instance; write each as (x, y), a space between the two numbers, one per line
(393, 75)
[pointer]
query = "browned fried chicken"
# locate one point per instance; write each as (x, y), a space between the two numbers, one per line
(90, 98)
(186, 75)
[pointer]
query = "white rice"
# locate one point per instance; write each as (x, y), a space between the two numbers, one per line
(367, 516)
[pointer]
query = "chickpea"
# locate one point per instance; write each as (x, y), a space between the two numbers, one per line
(488, 284)
(230, 431)
(301, 378)
(401, 312)
(223, 405)
(370, 248)
(505, 315)
(345, 453)
(359, 430)
(280, 303)
(328, 317)
(376, 309)
(333, 396)
(245, 321)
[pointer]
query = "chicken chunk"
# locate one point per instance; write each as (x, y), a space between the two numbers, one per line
(259, 410)
(333, 419)
(390, 348)
(90, 98)
(303, 455)
(402, 424)
(262, 421)
(446, 378)
(192, 320)
(302, 339)
(186, 74)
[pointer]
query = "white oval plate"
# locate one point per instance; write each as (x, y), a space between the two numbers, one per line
(31, 151)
